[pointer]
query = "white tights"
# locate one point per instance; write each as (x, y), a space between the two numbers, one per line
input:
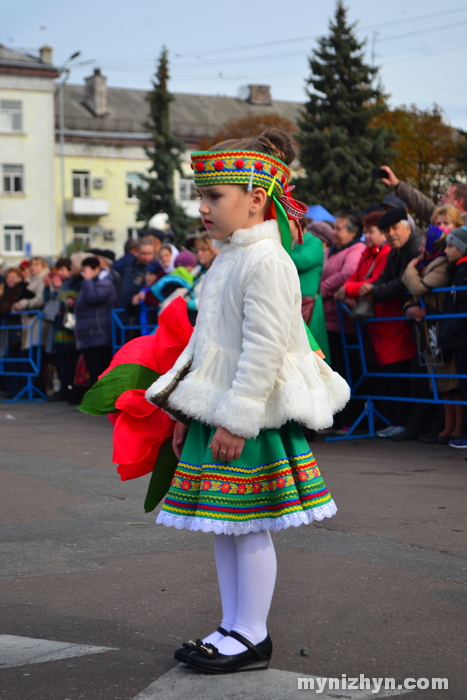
(246, 569)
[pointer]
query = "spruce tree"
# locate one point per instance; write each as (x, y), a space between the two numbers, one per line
(158, 194)
(338, 144)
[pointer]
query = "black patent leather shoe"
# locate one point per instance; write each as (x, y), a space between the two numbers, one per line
(207, 658)
(181, 654)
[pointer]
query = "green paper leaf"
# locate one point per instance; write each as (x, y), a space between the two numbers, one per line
(100, 399)
(162, 476)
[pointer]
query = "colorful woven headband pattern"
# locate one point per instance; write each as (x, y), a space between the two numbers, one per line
(240, 168)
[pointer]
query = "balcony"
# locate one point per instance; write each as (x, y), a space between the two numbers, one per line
(87, 206)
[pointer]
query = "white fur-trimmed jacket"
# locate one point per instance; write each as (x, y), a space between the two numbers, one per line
(251, 363)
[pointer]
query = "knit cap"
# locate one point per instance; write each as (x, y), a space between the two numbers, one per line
(321, 230)
(185, 258)
(458, 238)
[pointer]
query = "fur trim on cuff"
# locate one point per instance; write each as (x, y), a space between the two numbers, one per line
(240, 415)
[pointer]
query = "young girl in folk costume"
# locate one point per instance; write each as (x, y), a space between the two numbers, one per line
(245, 381)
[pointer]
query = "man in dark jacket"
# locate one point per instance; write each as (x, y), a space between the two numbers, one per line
(133, 275)
(405, 245)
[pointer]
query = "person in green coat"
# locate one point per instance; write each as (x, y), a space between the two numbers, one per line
(309, 260)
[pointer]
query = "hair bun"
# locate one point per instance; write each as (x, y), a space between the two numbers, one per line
(278, 144)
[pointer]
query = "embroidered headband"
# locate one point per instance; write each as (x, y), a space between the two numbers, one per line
(253, 169)
(240, 168)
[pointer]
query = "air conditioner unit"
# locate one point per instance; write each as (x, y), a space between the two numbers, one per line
(98, 183)
(109, 235)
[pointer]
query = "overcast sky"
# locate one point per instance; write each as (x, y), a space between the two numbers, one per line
(216, 47)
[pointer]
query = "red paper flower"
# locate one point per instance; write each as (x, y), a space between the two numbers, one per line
(199, 166)
(219, 165)
(140, 429)
(273, 170)
(239, 163)
(258, 165)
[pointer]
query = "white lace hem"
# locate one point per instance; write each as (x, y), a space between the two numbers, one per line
(226, 527)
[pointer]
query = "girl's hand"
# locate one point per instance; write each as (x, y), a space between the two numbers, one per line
(225, 446)
(179, 437)
(415, 312)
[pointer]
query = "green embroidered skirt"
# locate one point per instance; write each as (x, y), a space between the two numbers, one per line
(275, 484)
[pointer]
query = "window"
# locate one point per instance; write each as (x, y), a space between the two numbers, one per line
(13, 240)
(132, 232)
(82, 233)
(12, 179)
(81, 183)
(186, 189)
(11, 115)
(133, 181)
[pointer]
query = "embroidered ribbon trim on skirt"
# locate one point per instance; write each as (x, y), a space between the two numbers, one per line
(275, 484)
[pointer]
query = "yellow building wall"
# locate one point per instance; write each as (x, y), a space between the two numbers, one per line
(32, 147)
(122, 211)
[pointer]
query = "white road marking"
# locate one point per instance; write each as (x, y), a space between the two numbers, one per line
(181, 682)
(21, 651)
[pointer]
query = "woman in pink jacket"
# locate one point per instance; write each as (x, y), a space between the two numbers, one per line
(341, 261)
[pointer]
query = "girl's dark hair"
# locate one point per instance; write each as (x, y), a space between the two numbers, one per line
(63, 262)
(91, 262)
(274, 142)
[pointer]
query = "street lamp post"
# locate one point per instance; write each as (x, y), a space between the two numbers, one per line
(63, 70)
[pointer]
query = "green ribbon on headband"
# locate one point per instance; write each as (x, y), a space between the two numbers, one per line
(286, 238)
(283, 223)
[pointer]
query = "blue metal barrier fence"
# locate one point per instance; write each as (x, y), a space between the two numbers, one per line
(21, 366)
(370, 412)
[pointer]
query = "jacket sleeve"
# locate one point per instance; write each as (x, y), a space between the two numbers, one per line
(308, 255)
(353, 285)
(423, 206)
(331, 284)
(266, 329)
(96, 292)
(37, 302)
(418, 285)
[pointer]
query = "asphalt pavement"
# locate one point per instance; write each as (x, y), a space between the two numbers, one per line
(95, 597)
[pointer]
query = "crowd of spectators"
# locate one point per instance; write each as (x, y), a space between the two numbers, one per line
(379, 264)
(376, 264)
(76, 296)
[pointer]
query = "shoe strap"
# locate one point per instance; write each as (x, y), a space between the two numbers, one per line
(252, 647)
(222, 631)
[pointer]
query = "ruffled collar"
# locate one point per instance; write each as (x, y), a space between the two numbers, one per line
(247, 236)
